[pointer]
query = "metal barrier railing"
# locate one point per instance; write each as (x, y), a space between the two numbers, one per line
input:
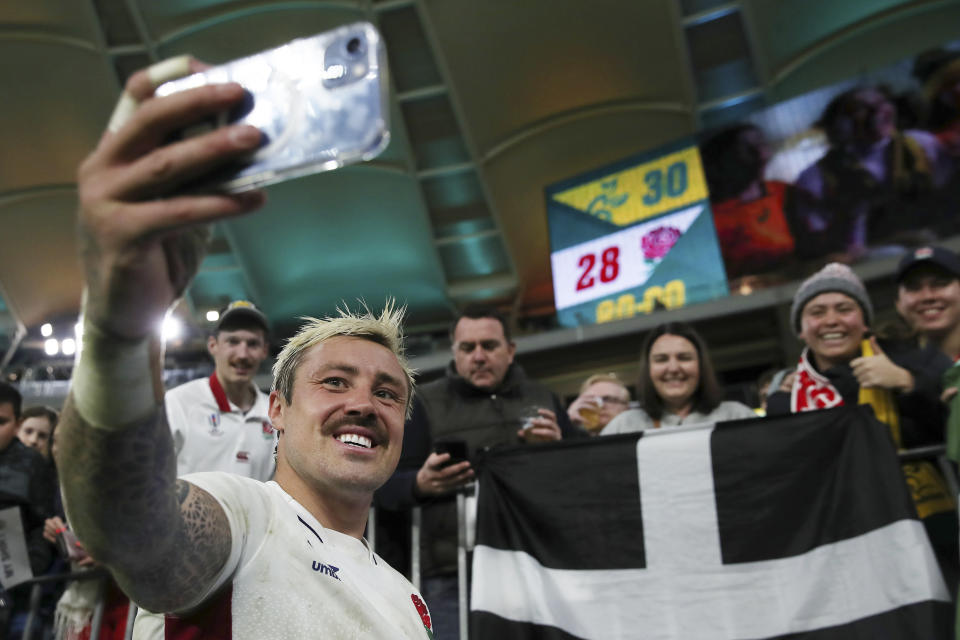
(939, 451)
(36, 593)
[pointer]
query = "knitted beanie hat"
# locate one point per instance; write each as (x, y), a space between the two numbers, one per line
(833, 277)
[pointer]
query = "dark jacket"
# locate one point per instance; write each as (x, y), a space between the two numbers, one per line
(452, 408)
(25, 482)
(922, 415)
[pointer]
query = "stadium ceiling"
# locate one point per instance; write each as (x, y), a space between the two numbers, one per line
(491, 101)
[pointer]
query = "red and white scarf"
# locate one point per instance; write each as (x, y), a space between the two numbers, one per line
(811, 389)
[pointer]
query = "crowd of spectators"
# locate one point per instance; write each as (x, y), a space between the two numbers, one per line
(218, 422)
(888, 179)
(843, 362)
(880, 168)
(485, 399)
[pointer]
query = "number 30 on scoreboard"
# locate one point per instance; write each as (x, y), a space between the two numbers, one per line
(671, 296)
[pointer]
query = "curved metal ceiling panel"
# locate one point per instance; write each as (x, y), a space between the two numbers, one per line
(38, 255)
(512, 68)
(335, 236)
(785, 28)
(56, 100)
(166, 19)
(231, 34)
(804, 44)
(51, 17)
(499, 99)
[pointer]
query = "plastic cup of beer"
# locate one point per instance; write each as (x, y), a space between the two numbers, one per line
(590, 413)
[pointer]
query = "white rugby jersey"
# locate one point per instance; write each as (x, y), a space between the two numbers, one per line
(211, 434)
(288, 577)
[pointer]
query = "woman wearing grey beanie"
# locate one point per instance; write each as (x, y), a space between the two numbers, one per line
(842, 364)
(832, 314)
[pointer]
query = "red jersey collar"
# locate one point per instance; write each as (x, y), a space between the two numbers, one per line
(219, 394)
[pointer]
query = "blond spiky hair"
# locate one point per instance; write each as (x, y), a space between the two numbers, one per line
(384, 329)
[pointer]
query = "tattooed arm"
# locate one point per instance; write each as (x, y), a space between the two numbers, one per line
(164, 540)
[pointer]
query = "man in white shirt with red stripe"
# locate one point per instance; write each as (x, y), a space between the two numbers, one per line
(220, 423)
(224, 557)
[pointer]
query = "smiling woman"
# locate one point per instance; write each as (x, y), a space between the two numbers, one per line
(677, 384)
(843, 364)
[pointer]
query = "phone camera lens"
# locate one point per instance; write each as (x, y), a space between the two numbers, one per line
(353, 46)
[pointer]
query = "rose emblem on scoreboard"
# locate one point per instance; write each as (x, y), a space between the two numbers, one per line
(658, 242)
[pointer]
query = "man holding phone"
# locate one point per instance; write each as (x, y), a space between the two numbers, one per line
(484, 400)
(223, 556)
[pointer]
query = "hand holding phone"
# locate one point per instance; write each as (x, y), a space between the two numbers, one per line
(69, 547)
(456, 448)
(440, 474)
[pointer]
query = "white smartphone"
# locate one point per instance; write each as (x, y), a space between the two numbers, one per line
(321, 103)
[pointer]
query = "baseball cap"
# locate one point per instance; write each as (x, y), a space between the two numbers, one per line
(943, 258)
(245, 310)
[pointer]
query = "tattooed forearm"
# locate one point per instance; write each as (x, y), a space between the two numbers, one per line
(164, 540)
(183, 490)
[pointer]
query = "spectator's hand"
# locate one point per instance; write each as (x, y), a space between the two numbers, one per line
(573, 411)
(948, 394)
(787, 383)
(53, 527)
(140, 240)
(435, 479)
(880, 372)
(86, 560)
(544, 429)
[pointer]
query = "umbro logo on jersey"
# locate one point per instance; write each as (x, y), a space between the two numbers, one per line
(326, 569)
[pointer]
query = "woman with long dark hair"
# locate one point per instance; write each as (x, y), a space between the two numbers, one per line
(677, 384)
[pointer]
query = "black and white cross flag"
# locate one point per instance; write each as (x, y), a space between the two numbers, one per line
(793, 527)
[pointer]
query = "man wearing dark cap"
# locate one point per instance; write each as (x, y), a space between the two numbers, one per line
(928, 297)
(221, 423)
(844, 364)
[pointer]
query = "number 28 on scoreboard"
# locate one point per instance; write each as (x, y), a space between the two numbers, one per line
(672, 295)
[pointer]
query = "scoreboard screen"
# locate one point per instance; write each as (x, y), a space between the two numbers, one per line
(633, 237)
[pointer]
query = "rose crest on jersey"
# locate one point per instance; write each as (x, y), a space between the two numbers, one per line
(424, 614)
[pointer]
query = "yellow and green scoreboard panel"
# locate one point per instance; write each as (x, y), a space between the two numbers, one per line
(633, 237)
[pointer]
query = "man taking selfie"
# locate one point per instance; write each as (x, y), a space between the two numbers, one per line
(214, 554)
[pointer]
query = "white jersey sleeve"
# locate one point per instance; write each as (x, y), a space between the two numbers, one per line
(289, 577)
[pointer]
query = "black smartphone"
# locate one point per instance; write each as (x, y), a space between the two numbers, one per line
(456, 448)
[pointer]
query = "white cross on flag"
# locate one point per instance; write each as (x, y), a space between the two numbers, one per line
(794, 527)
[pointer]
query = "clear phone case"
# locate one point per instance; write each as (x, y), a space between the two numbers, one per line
(321, 103)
